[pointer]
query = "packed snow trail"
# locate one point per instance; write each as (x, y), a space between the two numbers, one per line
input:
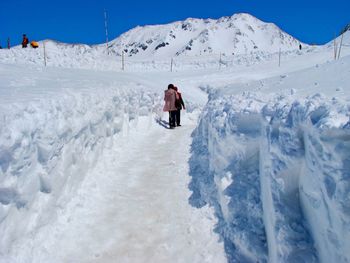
(133, 206)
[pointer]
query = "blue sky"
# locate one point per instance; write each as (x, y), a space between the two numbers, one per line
(81, 21)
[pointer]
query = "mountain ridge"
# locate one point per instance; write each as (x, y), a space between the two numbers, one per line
(240, 33)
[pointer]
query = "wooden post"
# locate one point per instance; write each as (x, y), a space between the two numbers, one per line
(106, 28)
(44, 53)
(279, 57)
(341, 43)
(335, 47)
(171, 65)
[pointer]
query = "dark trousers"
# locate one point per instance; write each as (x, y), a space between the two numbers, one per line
(172, 118)
(178, 117)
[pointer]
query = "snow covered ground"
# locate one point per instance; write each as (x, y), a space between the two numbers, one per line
(133, 206)
(272, 156)
(82, 170)
(90, 173)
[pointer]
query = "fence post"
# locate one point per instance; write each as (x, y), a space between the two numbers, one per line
(44, 53)
(341, 43)
(279, 57)
(335, 47)
(123, 60)
(106, 28)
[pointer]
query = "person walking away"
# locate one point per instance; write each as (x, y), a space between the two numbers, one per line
(25, 41)
(179, 104)
(169, 105)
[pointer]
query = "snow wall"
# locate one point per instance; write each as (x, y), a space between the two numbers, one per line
(46, 148)
(277, 172)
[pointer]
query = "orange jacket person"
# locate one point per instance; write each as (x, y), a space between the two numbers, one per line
(25, 41)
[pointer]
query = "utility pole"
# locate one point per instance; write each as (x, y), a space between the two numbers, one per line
(106, 28)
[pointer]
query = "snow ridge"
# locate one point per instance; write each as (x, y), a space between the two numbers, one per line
(46, 148)
(267, 166)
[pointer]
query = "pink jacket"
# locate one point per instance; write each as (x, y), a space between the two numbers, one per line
(169, 99)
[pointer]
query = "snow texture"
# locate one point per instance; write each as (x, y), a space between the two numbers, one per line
(275, 168)
(269, 154)
(47, 147)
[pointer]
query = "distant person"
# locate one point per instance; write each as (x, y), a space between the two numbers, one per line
(8, 43)
(299, 46)
(179, 104)
(169, 105)
(34, 44)
(25, 41)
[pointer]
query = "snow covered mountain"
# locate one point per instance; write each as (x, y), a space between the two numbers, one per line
(237, 34)
(240, 35)
(343, 40)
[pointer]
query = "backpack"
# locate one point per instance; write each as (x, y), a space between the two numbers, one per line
(177, 101)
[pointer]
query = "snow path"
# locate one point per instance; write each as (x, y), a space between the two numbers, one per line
(133, 206)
